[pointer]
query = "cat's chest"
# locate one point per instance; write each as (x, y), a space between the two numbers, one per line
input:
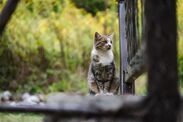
(103, 58)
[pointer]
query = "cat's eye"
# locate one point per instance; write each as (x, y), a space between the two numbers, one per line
(105, 41)
(111, 42)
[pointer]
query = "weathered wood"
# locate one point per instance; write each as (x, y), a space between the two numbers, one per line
(61, 107)
(161, 56)
(102, 108)
(163, 100)
(131, 28)
(136, 66)
(73, 105)
(70, 108)
(123, 46)
(56, 118)
(129, 42)
(6, 13)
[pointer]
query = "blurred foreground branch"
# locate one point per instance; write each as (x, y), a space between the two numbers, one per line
(6, 13)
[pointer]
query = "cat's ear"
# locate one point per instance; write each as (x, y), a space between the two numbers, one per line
(97, 36)
(111, 36)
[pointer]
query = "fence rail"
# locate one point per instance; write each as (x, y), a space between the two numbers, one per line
(83, 105)
(132, 62)
(159, 39)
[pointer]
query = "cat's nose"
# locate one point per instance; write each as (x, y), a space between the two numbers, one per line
(108, 47)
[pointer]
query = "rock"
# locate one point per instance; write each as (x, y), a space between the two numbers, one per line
(42, 104)
(25, 103)
(41, 97)
(32, 98)
(6, 96)
(12, 103)
(28, 99)
(25, 96)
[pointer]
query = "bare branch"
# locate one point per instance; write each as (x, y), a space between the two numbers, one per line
(6, 13)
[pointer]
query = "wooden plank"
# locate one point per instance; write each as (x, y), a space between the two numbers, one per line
(69, 107)
(123, 44)
(126, 88)
(161, 56)
(74, 105)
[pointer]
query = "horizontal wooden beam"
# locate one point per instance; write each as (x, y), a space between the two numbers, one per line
(74, 107)
(83, 105)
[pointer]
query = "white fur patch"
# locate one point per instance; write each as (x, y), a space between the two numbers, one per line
(105, 58)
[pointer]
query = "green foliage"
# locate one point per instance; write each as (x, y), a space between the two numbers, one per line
(8, 117)
(93, 6)
(48, 45)
(180, 69)
(140, 85)
(180, 42)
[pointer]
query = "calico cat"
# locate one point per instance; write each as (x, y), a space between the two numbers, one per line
(102, 77)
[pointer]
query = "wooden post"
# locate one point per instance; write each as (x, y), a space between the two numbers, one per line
(123, 47)
(126, 87)
(161, 56)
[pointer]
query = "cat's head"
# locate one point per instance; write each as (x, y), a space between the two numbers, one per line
(103, 42)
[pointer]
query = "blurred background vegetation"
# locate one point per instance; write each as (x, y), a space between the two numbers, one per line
(46, 45)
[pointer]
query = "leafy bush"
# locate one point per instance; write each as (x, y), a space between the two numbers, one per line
(48, 46)
(93, 6)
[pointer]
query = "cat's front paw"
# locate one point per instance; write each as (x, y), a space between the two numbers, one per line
(109, 94)
(98, 94)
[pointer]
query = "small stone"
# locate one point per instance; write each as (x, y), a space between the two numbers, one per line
(25, 96)
(6, 96)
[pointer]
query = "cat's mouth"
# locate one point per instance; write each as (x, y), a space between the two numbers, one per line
(108, 47)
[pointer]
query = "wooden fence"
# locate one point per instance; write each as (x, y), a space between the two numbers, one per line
(149, 46)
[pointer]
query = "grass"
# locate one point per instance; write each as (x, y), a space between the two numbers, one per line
(140, 85)
(9, 117)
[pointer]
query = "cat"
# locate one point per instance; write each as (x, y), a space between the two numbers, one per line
(102, 78)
